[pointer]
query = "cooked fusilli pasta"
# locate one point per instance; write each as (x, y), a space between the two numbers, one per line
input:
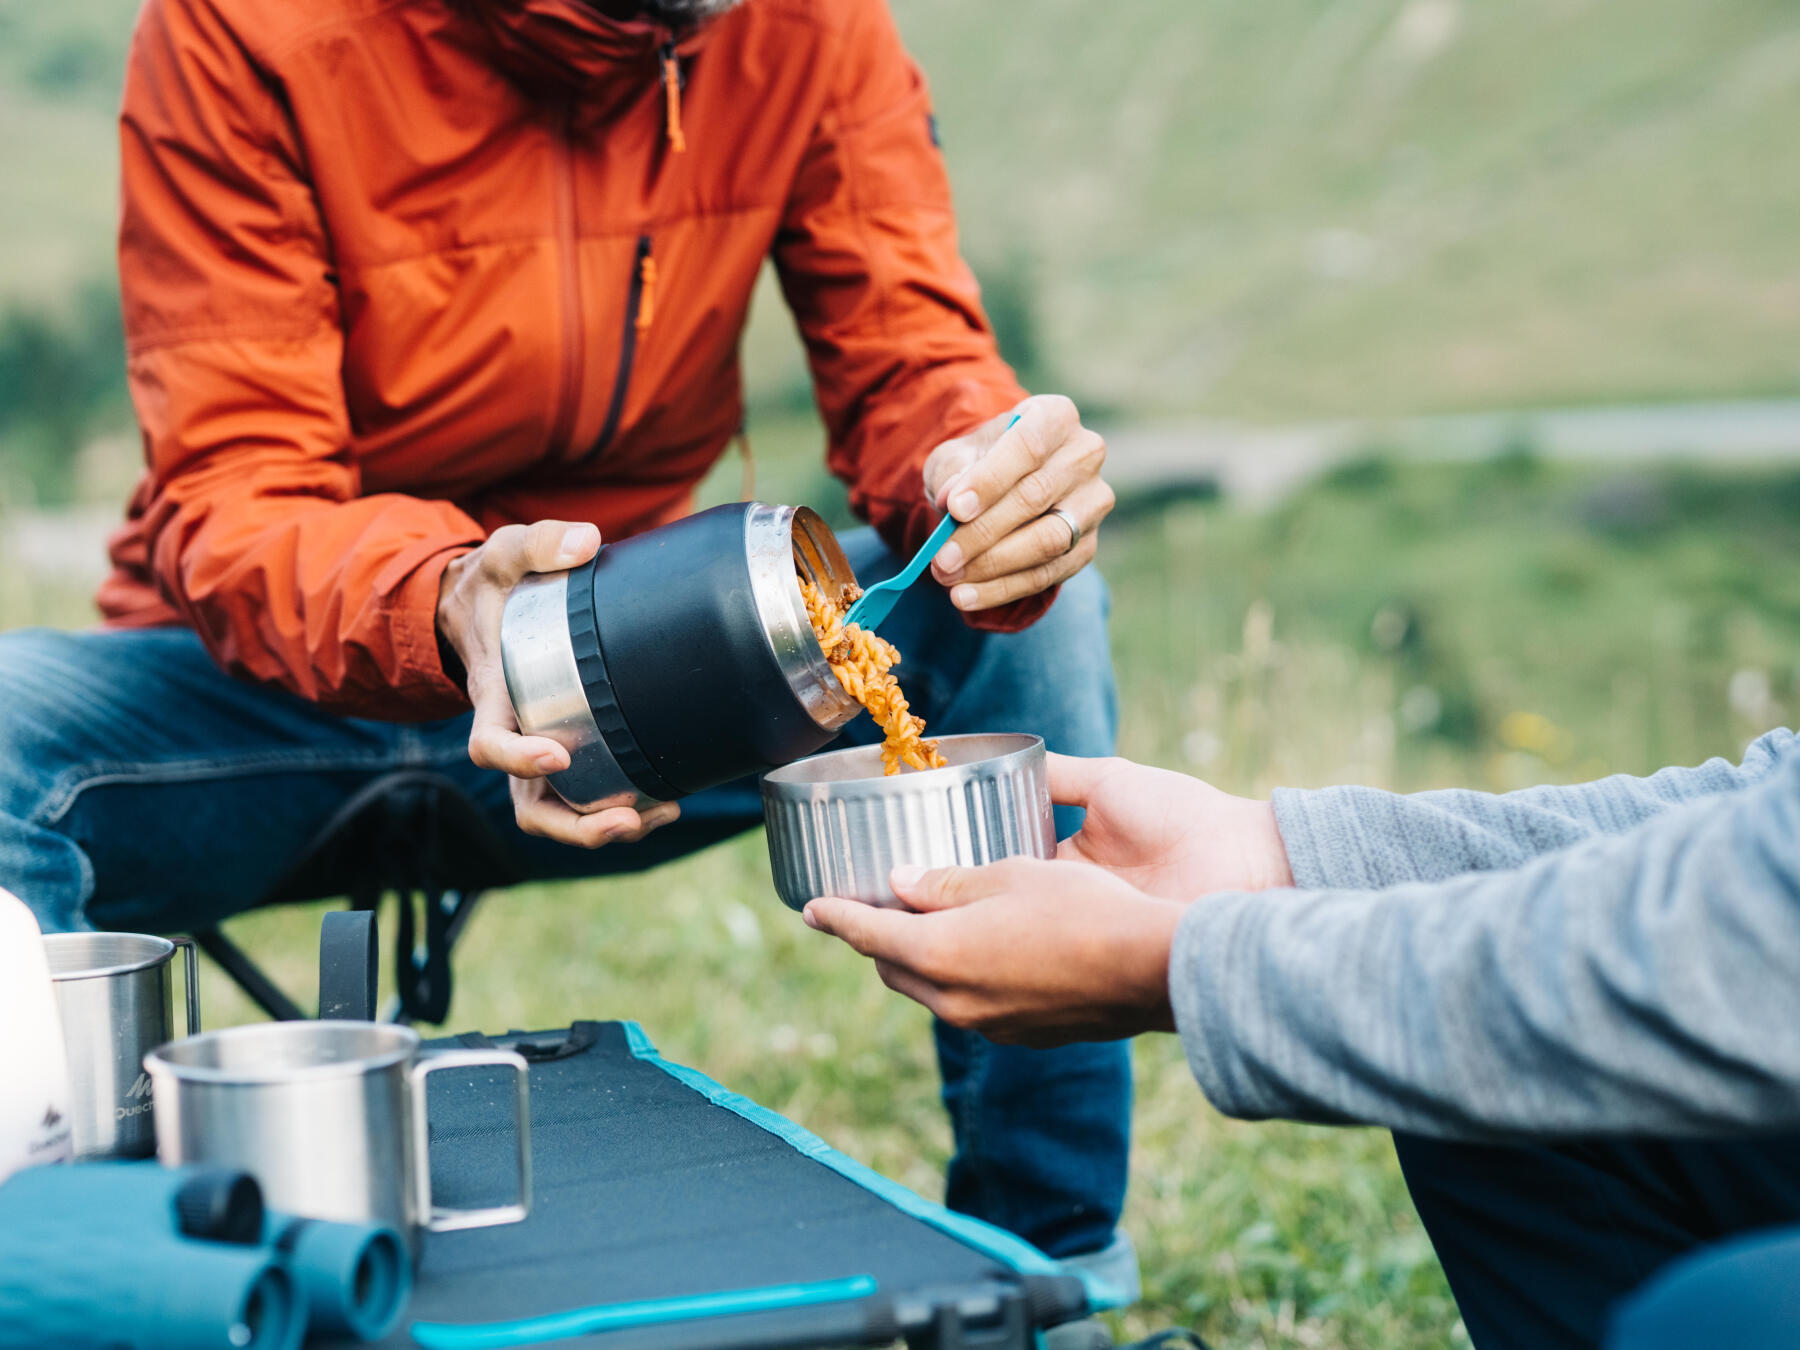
(863, 664)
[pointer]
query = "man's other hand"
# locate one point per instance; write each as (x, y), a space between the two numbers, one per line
(471, 599)
(1001, 483)
(1022, 951)
(1165, 833)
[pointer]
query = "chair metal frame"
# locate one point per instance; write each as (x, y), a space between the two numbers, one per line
(413, 833)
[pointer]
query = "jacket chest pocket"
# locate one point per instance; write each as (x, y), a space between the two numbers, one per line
(589, 382)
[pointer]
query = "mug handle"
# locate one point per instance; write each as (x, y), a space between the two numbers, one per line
(449, 1220)
(190, 964)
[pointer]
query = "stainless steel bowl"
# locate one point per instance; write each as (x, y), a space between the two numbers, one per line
(837, 826)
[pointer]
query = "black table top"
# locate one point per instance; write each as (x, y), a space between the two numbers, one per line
(651, 1182)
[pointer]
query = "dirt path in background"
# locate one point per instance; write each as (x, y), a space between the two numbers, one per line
(1260, 464)
(1253, 464)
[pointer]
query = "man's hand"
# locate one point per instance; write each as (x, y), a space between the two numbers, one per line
(1000, 484)
(1165, 833)
(471, 598)
(1023, 951)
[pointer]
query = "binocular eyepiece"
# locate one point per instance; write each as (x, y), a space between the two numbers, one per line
(219, 1205)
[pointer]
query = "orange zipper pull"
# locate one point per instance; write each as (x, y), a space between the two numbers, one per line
(672, 94)
(646, 292)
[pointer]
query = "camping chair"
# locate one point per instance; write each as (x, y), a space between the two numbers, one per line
(412, 832)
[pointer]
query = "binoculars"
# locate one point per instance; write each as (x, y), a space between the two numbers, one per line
(133, 1256)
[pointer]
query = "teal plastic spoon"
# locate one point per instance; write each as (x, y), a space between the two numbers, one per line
(879, 600)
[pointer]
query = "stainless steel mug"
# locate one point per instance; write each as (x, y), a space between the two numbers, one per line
(116, 999)
(329, 1117)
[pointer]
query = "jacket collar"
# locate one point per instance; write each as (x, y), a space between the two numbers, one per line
(569, 46)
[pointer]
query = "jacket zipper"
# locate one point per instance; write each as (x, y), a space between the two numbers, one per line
(671, 81)
(637, 319)
(568, 396)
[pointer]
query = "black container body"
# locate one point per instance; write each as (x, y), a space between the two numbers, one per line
(686, 653)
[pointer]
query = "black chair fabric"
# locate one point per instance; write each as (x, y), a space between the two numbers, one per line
(416, 834)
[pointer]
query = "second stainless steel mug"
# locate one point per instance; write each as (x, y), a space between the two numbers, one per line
(116, 1000)
(329, 1116)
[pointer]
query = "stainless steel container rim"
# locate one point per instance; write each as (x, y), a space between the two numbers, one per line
(802, 775)
(780, 541)
(169, 1058)
(162, 950)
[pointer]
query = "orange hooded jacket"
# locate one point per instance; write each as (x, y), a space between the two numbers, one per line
(398, 272)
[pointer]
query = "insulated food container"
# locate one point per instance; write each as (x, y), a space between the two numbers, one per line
(837, 826)
(680, 658)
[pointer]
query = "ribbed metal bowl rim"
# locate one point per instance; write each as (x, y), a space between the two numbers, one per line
(786, 782)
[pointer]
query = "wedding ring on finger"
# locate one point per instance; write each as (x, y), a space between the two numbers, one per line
(1069, 520)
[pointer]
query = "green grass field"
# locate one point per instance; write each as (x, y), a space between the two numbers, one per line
(1283, 210)
(1493, 625)
(1309, 207)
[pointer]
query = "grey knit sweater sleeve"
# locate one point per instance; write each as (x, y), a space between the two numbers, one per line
(1628, 962)
(1362, 838)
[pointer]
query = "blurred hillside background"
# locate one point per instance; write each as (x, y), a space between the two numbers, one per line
(1450, 354)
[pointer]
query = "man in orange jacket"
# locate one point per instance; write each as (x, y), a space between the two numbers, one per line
(424, 296)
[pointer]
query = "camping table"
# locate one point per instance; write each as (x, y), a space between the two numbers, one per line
(654, 1185)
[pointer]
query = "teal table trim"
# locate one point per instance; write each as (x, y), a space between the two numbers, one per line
(641, 1313)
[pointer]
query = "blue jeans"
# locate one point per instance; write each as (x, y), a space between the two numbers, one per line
(1744, 1294)
(141, 788)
